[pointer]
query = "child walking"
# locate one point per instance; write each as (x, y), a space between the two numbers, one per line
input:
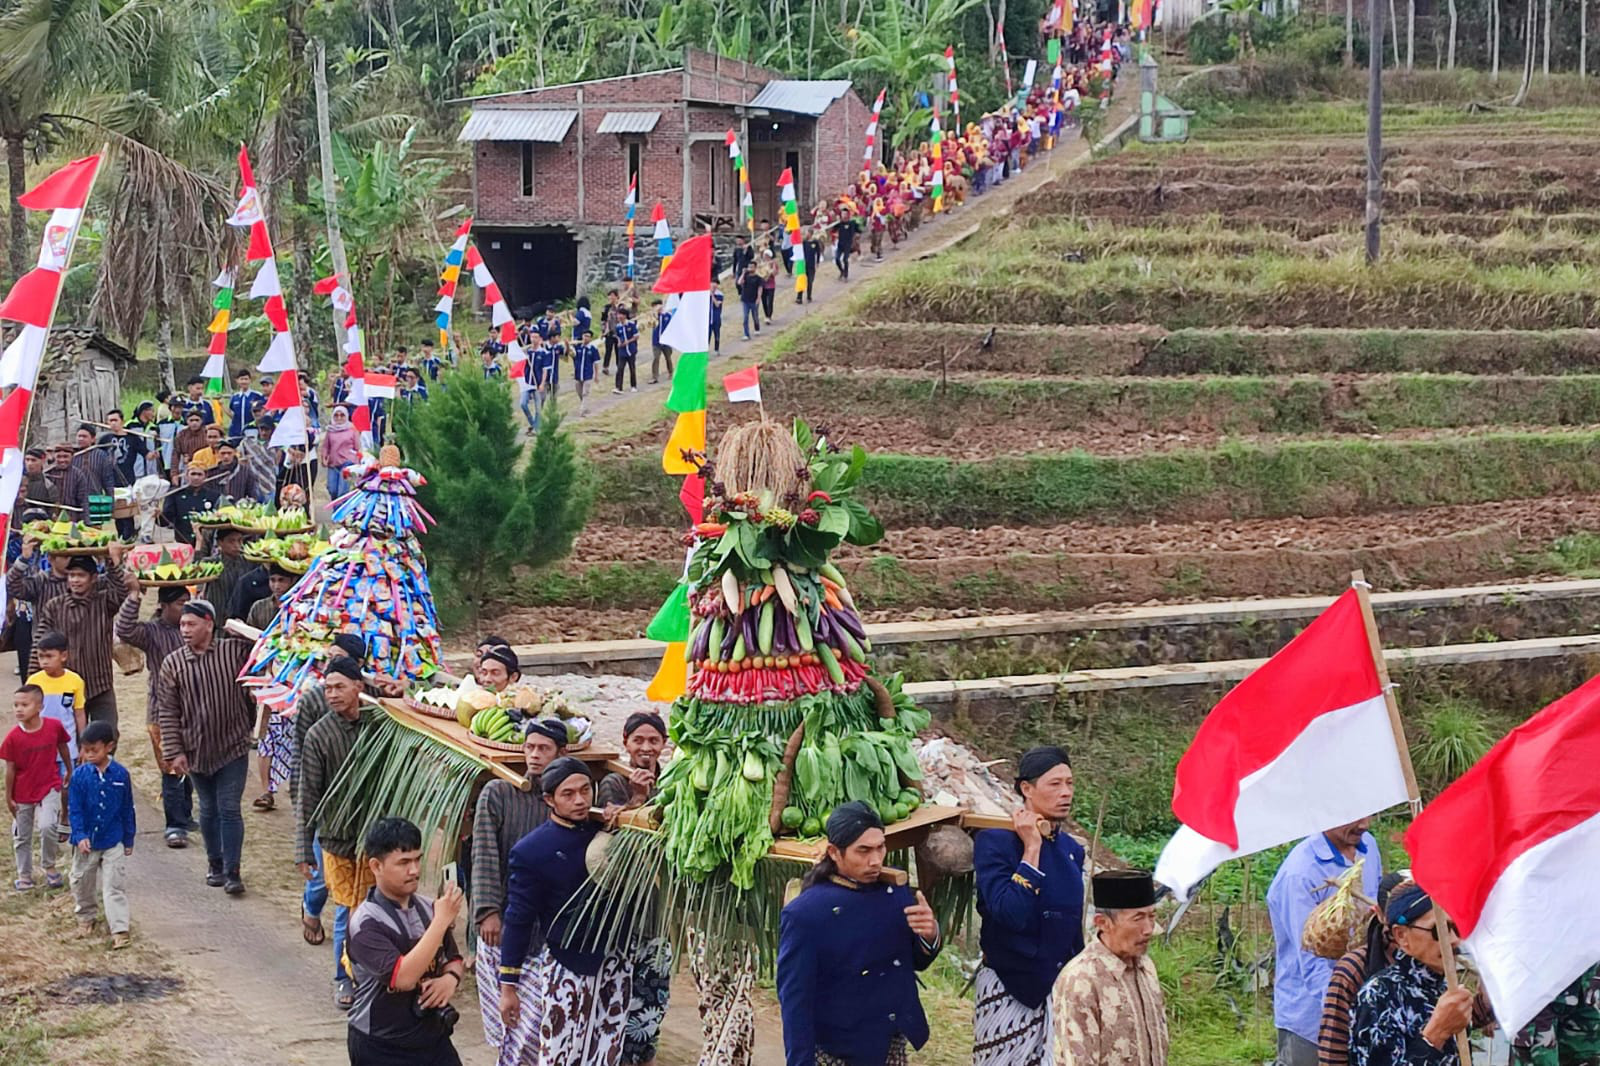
(33, 785)
(102, 833)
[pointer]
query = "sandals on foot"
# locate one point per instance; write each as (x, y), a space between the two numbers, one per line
(264, 802)
(23, 884)
(344, 993)
(53, 880)
(311, 928)
(119, 941)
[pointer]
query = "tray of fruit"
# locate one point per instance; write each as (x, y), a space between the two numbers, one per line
(169, 574)
(500, 719)
(71, 538)
(293, 552)
(255, 518)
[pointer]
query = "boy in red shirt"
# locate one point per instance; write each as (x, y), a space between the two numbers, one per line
(34, 752)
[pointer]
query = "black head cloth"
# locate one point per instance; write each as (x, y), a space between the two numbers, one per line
(848, 821)
(553, 728)
(559, 771)
(641, 718)
(1119, 890)
(1036, 762)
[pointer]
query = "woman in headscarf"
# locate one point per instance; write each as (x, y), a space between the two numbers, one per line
(849, 948)
(1030, 896)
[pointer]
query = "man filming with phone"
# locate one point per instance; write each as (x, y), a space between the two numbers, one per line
(403, 957)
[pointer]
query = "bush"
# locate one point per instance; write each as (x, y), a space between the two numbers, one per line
(1455, 737)
(491, 516)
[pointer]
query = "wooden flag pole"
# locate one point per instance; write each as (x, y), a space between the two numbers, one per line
(1364, 596)
(1447, 954)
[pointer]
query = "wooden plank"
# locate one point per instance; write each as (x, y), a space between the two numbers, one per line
(902, 834)
(975, 821)
(450, 730)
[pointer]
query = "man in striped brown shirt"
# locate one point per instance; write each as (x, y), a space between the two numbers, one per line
(159, 637)
(206, 719)
(84, 616)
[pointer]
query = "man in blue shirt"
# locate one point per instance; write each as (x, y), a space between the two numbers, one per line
(659, 351)
(242, 405)
(196, 387)
(541, 375)
(585, 357)
(1304, 880)
(430, 361)
(627, 333)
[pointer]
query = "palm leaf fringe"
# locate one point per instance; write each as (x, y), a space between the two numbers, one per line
(397, 771)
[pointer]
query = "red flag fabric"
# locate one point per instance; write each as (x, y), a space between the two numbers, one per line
(1302, 744)
(323, 286)
(276, 313)
(67, 187)
(13, 410)
(692, 494)
(690, 269)
(1510, 852)
(32, 298)
(286, 393)
(246, 174)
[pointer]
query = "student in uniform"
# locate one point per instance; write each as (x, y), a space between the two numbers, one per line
(627, 333)
(196, 401)
(241, 405)
(430, 362)
(715, 323)
(608, 330)
(585, 357)
(582, 319)
(849, 949)
(541, 372)
(659, 351)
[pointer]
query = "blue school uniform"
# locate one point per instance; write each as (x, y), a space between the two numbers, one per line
(1032, 916)
(241, 411)
(544, 870)
(582, 322)
(208, 414)
(341, 391)
(411, 396)
(628, 338)
(431, 365)
(847, 966)
(541, 367)
(585, 357)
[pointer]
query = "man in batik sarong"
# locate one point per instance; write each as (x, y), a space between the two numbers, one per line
(584, 991)
(1030, 896)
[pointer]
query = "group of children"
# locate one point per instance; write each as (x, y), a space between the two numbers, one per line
(63, 787)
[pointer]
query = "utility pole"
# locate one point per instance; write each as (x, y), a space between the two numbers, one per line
(330, 188)
(1374, 126)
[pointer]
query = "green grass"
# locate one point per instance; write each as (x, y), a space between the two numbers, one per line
(1309, 478)
(1004, 283)
(609, 585)
(1575, 555)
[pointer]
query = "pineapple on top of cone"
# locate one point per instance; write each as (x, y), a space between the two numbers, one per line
(782, 718)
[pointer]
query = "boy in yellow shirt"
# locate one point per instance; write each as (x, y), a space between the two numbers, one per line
(65, 698)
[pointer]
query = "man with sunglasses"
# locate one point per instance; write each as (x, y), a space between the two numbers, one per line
(1407, 1015)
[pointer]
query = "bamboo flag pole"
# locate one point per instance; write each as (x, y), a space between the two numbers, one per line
(1442, 921)
(55, 302)
(1358, 581)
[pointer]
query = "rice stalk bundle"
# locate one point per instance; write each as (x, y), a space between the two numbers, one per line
(756, 456)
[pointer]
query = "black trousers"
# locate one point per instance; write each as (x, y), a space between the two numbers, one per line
(767, 296)
(370, 1051)
(611, 351)
(628, 361)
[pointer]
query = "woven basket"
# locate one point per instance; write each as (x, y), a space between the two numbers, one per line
(429, 710)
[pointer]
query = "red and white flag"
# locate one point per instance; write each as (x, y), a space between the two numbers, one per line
(380, 386)
(872, 127)
(743, 386)
(1511, 852)
(1302, 745)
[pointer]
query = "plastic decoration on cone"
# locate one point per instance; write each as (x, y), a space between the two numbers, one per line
(371, 580)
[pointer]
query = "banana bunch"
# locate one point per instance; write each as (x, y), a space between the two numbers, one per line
(493, 723)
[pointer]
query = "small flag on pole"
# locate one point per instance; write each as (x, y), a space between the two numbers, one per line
(743, 386)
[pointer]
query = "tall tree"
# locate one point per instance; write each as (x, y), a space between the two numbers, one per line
(1450, 51)
(1528, 53)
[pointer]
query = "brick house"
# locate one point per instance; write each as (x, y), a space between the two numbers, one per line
(551, 166)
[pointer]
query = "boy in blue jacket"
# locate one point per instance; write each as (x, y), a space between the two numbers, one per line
(101, 805)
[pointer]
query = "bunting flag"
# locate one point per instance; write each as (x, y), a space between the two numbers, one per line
(1055, 100)
(936, 143)
(628, 206)
(747, 202)
(1055, 26)
(216, 371)
(500, 314)
(444, 310)
(355, 362)
(663, 233)
(955, 96)
(1139, 15)
(687, 278)
(279, 356)
(1005, 60)
(872, 128)
(791, 227)
(32, 304)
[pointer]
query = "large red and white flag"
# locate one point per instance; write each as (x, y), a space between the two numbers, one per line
(1511, 852)
(1302, 745)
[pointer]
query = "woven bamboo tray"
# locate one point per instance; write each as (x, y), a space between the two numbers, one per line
(172, 583)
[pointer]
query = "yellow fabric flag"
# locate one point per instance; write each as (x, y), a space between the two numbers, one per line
(688, 434)
(672, 676)
(219, 322)
(450, 273)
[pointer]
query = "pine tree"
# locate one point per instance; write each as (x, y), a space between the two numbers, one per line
(494, 511)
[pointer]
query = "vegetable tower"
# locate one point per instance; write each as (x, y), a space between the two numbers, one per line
(782, 718)
(372, 581)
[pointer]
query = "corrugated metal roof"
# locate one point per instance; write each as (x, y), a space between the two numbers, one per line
(629, 122)
(517, 124)
(800, 97)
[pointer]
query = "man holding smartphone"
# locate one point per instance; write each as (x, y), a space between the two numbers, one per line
(404, 958)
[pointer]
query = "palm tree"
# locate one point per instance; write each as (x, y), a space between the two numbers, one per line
(891, 48)
(54, 53)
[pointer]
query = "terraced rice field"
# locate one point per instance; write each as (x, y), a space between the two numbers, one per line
(1168, 375)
